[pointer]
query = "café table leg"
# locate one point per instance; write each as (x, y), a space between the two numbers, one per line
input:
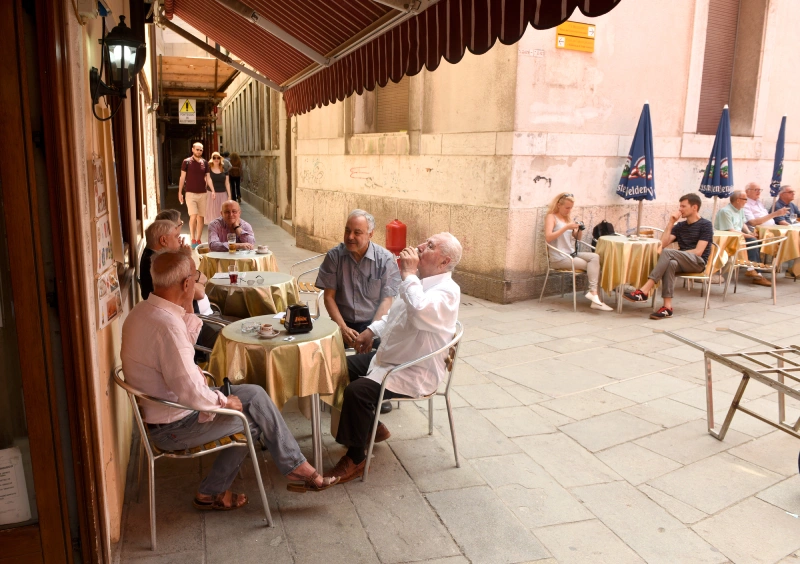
(316, 432)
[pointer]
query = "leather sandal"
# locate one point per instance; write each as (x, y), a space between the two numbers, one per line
(217, 502)
(309, 484)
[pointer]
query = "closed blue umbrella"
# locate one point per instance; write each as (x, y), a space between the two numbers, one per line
(777, 168)
(637, 181)
(718, 178)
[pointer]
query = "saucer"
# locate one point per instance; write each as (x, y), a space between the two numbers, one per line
(267, 335)
(263, 252)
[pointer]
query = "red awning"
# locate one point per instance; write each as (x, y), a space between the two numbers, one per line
(325, 63)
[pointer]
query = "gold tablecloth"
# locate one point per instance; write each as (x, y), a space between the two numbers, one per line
(791, 247)
(626, 262)
(314, 363)
(729, 242)
(274, 294)
(211, 263)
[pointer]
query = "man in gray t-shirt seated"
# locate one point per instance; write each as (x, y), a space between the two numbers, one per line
(359, 278)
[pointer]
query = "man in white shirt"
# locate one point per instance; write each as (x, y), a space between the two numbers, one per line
(421, 321)
(158, 359)
(754, 211)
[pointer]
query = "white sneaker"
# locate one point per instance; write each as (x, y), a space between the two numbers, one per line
(601, 306)
(594, 298)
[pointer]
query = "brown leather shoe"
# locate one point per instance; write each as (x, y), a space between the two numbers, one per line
(346, 469)
(382, 433)
(761, 281)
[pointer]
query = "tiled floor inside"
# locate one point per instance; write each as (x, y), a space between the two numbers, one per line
(582, 437)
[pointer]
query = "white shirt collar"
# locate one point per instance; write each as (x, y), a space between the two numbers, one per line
(166, 305)
(431, 281)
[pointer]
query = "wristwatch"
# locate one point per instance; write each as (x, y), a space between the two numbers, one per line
(235, 227)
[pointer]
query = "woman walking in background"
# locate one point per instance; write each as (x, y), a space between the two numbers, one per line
(560, 232)
(235, 177)
(218, 185)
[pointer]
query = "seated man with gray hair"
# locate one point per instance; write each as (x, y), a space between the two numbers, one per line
(732, 218)
(420, 322)
(158, 359)
(360, 280)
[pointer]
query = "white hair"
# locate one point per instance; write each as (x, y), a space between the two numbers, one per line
(737, 194)
(156, 230)
(752, 185)
(450, 247)
(365, 215)
(170, 268)
(784, 188)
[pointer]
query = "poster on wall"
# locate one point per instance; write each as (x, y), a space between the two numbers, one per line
(104, 253)
(15, 506)
(106, 153)
(100, 195)
(109, 300)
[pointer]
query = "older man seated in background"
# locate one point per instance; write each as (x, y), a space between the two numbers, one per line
(754, 211)
(230, 222)
(786, 203)
(421, 321)
(360, 280)
(158, 359)
(731, 218)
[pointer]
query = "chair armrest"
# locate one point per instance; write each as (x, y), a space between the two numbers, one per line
(559, 251)
(211, 380)
(291, 269)
(201, 348)
(585, 244)
(213, 320)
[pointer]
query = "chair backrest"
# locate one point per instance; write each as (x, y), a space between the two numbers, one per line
(452, 353)
(712, 259)
(203, 249)
(291, 268)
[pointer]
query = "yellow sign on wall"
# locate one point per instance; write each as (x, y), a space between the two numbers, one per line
(575, 36)
(575, 43)
(576, 29)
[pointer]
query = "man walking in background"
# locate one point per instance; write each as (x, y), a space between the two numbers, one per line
(193, 175)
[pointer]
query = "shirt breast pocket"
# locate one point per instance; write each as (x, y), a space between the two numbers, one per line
(374, 289)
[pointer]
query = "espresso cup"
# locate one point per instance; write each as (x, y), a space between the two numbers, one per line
(266, 328)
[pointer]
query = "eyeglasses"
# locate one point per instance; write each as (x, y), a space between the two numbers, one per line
(216, 158)
(258, 280)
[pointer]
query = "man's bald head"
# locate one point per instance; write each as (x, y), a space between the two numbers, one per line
(231, 213)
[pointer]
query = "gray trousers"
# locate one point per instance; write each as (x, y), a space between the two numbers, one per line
(672, 262)
(589, 262)
(265, 422)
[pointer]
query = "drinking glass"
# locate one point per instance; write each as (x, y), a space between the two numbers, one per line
(792, 217)
(233, 274)
(231, 242)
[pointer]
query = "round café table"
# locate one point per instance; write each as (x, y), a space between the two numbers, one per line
(312, 365)
(791, 247)
(246, 261)
(275, 293)
(728, 242)
(623, 261)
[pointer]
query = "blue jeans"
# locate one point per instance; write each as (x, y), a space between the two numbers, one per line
(265, 421)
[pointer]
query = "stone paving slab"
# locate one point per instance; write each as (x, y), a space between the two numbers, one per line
(582, 438)
(485, 529)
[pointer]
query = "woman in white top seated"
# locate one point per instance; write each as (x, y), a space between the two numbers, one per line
(560, 232)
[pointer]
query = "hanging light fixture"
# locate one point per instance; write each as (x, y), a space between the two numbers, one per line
(126, 54)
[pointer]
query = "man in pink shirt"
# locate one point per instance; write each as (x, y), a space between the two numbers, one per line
(158, 359)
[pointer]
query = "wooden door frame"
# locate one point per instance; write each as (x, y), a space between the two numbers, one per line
(55, 64)
(23, 235)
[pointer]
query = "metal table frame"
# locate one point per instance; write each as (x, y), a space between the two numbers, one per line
(770, 375)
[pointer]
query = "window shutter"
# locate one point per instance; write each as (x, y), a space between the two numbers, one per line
(715, 89)
(392, 104)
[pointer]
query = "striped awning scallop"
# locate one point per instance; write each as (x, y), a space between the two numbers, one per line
(410, 42)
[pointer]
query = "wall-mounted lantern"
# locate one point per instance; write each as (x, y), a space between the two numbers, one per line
(126, 54)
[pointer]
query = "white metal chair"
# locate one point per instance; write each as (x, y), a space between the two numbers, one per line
(451, 350)
(202, 249)
(573, 270)
(309, 288)
(771, 246)
(154, 453)
(703, 277)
